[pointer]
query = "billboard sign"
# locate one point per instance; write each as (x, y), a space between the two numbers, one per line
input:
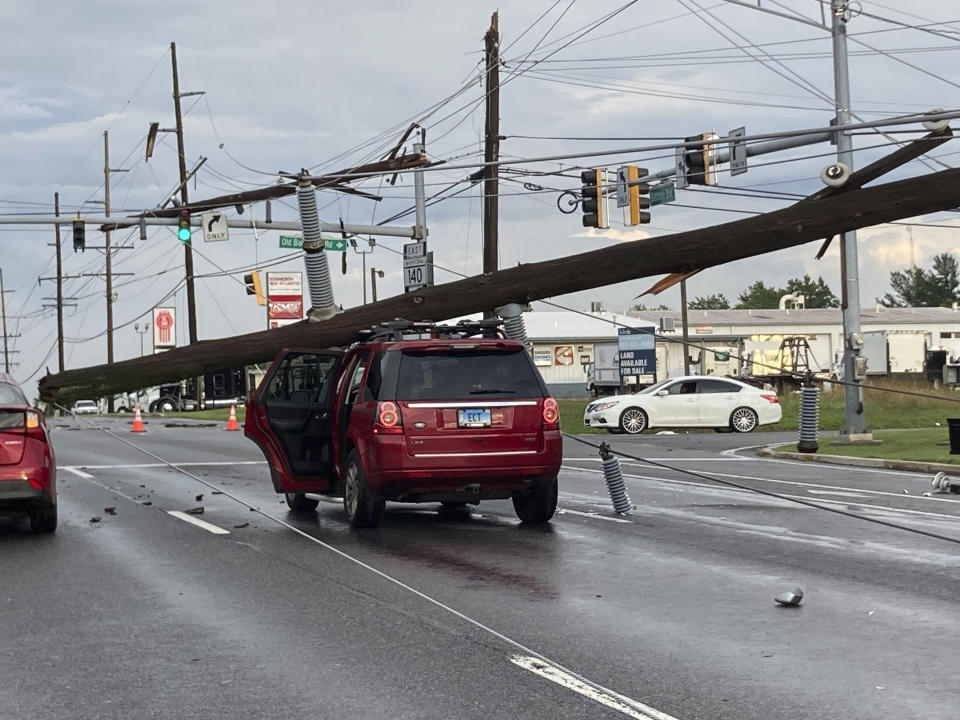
(638, 351)
(284, 298)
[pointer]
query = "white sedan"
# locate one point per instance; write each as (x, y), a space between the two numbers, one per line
(692, 401)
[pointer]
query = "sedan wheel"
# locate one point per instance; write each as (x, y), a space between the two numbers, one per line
(633, 421)
(743, 420)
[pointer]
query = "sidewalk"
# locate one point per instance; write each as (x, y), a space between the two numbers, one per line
(907, 465)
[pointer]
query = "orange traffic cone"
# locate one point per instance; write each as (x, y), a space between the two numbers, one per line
(232, 420)
(137, 422)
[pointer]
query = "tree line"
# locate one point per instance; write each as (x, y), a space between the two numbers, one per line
(936, 286)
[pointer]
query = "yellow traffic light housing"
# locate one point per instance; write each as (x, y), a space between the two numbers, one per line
(252, 281)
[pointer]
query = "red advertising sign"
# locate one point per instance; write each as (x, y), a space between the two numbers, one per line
(164, 327)
(284, 298)
(284, 309)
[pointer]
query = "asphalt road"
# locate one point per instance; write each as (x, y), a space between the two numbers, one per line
(666, 612)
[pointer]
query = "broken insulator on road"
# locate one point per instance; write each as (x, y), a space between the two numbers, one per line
(809, 417)
(614, 477)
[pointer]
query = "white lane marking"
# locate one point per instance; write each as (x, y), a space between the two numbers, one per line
(836, 492)
(609, 698)
(174, 465)
(202, 524)
(798, 483)
(78, 473)
(595, 516)
(665, 459)
(760, 496)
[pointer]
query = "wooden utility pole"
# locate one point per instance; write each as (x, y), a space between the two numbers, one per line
(491, 152)
(187, 247)
(3, 311)
(807, 220)
(56, 211)
(106, 245)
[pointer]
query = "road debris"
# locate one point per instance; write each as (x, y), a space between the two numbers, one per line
(110, 510)
(199, 497)
(241, 525)
(790, 599)
(95, 519)
(195, 511)
(944, 484)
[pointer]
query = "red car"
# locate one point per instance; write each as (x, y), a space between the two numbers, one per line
(28, 471)
(443, 418)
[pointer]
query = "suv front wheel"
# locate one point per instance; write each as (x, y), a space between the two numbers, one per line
(538, 504)
(364, 507)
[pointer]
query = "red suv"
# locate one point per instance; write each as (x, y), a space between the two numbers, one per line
(412, 413)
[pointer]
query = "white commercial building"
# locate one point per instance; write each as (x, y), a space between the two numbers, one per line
(895, 340)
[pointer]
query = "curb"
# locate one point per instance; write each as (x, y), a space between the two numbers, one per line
(908, 465)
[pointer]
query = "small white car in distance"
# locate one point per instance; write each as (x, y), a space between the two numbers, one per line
(85, 407)
(691, 401)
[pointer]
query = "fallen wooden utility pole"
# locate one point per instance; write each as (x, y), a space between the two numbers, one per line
(805, 221)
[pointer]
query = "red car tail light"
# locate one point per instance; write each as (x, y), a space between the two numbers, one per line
(770, 398)
(388, 419)
(34, 424)
(551, 414)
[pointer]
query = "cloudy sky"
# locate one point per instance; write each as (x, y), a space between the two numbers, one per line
(325, 85)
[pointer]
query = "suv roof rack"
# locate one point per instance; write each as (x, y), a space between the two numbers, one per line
(401, 329)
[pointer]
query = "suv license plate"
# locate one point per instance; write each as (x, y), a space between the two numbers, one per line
(473, 417)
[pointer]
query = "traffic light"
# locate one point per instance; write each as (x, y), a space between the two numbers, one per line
(79, 231)
(252, 281)
(698, 160)
(184, 232)
(591, 198)
(639, 194)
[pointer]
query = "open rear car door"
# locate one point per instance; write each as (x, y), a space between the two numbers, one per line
(291, 418)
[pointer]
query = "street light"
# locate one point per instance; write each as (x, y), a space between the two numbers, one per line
(141, 331)
(374, 274)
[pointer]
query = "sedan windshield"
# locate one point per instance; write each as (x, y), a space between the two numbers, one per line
(652, 388)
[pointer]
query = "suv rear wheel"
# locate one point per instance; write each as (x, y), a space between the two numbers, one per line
(363, 506)
(299, 502)
(539, 504)
(43, 519)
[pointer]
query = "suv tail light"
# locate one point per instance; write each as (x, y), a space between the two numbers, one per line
(770, 398)
(551, 414)
(388, 420)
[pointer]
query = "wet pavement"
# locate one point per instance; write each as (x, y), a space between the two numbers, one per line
(671, 607)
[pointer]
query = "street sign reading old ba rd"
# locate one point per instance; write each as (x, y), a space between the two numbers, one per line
(296, 241)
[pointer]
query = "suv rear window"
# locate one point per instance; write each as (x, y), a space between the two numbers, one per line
(465, 374)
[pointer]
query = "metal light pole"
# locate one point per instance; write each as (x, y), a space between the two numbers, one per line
(374, 274)
(141, 331)
(854, 426)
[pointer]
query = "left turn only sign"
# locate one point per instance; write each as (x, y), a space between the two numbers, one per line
(214, 227)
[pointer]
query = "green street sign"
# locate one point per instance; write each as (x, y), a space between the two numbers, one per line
(663, 194)
(295, 241)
